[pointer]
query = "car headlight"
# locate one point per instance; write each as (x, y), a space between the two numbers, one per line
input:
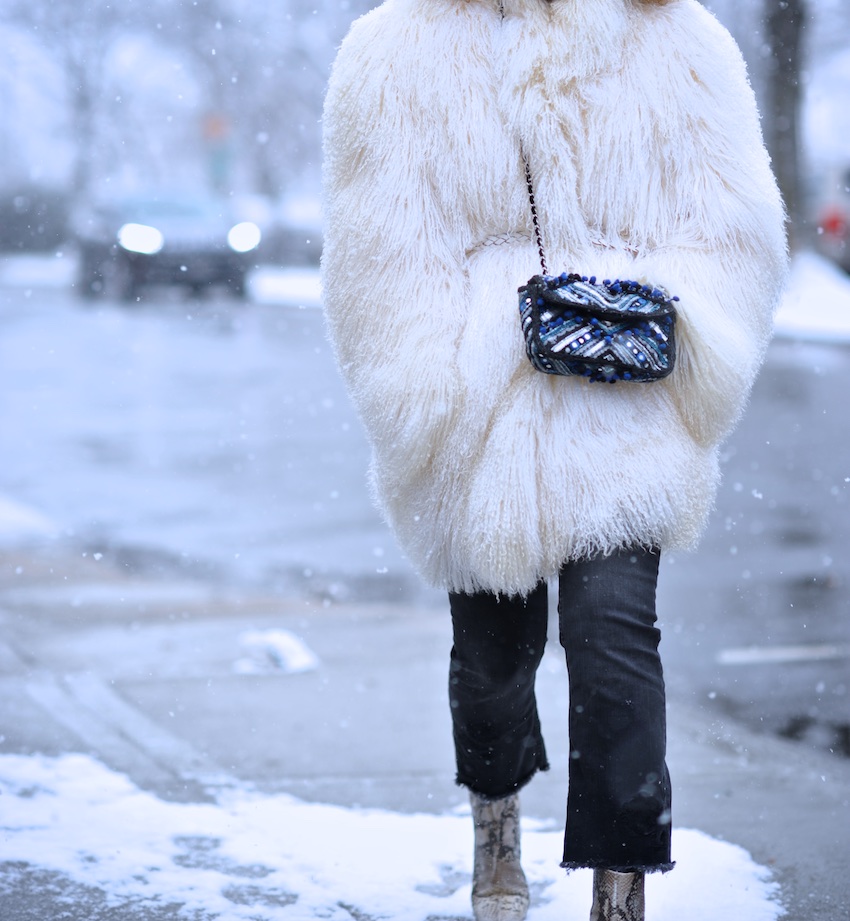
(244, 237)
(140, 238)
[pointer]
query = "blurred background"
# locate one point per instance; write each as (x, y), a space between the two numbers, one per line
(113, 98)
(172, 427)
(103, 100)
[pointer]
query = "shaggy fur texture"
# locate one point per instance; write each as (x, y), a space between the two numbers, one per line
(645, 146)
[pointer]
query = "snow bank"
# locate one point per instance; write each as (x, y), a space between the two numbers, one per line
(816, 306)
(38, 271)
(251, 856)
(300, 287)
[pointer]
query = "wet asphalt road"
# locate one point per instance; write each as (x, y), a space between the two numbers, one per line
(758, 621)
(214, 439)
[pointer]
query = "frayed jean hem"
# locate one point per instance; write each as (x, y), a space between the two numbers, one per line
(569, 865)
(492, 798)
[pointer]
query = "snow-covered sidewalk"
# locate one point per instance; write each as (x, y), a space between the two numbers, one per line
(250, 856)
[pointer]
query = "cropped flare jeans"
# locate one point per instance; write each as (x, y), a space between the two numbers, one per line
(619, 800)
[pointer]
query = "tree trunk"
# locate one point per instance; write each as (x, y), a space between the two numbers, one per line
(784, 22)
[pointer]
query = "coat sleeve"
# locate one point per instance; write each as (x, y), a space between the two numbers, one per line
(724, 253)
(390, 267)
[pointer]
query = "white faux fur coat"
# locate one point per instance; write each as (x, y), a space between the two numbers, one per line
(644, 141)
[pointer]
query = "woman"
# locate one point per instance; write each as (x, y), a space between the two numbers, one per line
(643, 141)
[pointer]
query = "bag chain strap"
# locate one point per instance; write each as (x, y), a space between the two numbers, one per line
(537, 235)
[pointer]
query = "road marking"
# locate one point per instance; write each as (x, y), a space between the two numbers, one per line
(779, 655)
(10, 662)
(123, 737)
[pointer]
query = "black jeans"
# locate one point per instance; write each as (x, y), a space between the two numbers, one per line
(618, 804)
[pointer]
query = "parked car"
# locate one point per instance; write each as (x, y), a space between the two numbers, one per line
(128, 244)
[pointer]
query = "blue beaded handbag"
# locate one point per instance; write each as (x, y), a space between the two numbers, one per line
(609, 331)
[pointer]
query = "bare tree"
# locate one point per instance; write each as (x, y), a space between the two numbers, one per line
(256, 71)
(785, 25)
(77, 36)
(263, 70)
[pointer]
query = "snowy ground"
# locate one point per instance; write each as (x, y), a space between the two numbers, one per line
(275, 858)
(253, 856)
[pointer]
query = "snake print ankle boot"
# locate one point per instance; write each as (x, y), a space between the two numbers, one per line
(499, 888)
(617, 896)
